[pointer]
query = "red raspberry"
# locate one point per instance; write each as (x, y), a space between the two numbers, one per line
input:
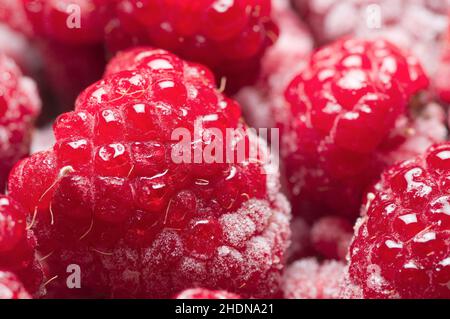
(19, 106)
(308, 279)
(110, 197)
(200, 293)
(344, 117)
(401, 246)
(331, 236)
(228, 36)
(11, 288)
(414, 25)
(17, 245)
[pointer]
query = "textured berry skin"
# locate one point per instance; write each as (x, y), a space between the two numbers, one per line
(228, 36)
(344, 116)
(309, 279)
(110, 198)
(19, 106)
(17, 245)
(401, 246)
(200, 293)
(11, 288)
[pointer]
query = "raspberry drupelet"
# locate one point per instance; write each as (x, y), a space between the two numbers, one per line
(346, 117)
(17, 246)
(11, 287)
(113, 197)
(401, 247)
(200, 293)
(19, 106)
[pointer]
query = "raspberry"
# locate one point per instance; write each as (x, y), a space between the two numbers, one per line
(11, 288)
(308, 279)
(19, 106)
(17, 245)
(200, 293)
(110, 197)
(344, 117)
(279, 65)
(331, 236)
(401, 246)
(228, 36)
(414, 25)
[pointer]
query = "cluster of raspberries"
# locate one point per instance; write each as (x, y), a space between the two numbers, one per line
(114, 203)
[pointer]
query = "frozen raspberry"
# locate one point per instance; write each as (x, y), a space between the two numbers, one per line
(19, 106)
(309, 279)
(17, 245)
(11, 288)
(200, 293)
(344, 117)
(414, 25)
(112, 196)
(280, 64)
(331, 236)
(401, 246)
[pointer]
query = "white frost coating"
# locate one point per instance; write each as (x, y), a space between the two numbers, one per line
(308, 279)
(237, 228)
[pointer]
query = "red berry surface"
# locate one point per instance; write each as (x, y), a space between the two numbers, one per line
(17, 245)
(309, 279)
(344, 117)
(19, 106)
(228, 36)
(110, 197)
(200, 293)
(401, 246)
(11, 288)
